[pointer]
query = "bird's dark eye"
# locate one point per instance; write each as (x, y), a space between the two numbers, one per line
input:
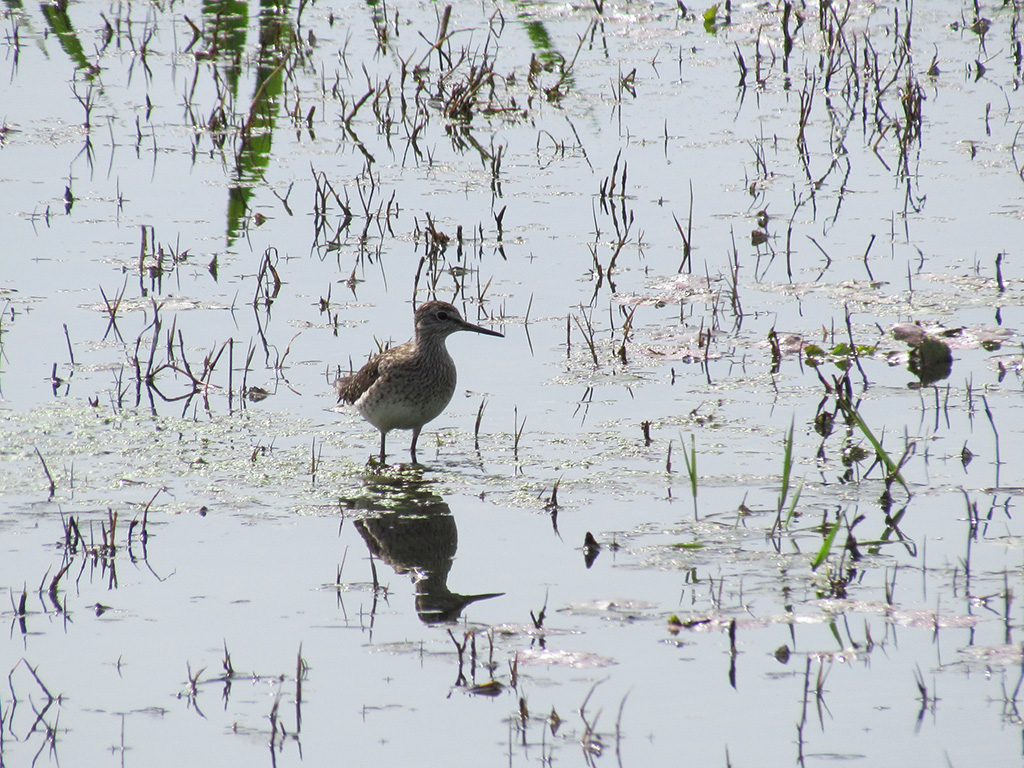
(442, 315)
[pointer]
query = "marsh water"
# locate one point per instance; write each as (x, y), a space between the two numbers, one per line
(739, 486)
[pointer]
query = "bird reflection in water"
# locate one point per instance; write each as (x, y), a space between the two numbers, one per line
(412, 529)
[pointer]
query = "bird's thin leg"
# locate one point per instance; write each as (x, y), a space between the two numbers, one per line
(415, 436)
(383, 434)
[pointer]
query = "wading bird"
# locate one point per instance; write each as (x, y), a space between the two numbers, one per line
(409, 385)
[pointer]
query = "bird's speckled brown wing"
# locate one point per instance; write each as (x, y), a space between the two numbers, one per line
(351, 388)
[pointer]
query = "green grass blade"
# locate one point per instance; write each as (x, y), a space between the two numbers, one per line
(880, 452)
(792, 506)
(826, 546)
(690, 459)
(787, 467)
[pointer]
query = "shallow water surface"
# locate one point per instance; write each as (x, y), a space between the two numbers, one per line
(701, 230)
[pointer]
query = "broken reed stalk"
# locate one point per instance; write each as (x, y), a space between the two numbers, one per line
(588, 335)
(627, 326)
(686, 236)
(67, 336)
(112, 308)
(442, 35)
(314, 459)
(518, 433)
(108, 534)
(46, 469)
(229, 669)
(552, 503)
(55, 584)
(268, 281)
(175, 360)
(32, 671)
(231, 375)
(300, 671)
(588, 739)
(734, 282)
(476, 427)
(144, 535)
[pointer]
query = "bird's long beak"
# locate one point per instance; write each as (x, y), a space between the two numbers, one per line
(477, 329)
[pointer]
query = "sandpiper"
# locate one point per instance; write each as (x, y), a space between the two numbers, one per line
(409, 385)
